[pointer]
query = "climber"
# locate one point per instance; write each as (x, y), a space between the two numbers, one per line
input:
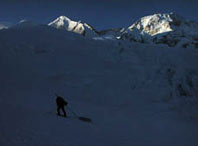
(60, 102)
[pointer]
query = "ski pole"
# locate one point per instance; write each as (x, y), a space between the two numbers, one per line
(72, 112)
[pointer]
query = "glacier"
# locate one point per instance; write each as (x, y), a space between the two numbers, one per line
(135, 93)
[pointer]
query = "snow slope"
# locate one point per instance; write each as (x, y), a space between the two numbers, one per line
(4, 25)
(65, 23)
(129, 90)
(110, 34)
(169, 28)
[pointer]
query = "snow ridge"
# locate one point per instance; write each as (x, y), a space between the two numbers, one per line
(170, 29)
(5, 25)
(64, 22)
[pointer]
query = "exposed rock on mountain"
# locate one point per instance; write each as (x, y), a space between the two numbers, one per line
(170, 29)
(64, 22)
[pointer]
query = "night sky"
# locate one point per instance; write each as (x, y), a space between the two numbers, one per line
(101, 14)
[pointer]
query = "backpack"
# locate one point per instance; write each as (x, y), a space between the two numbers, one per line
(65, 102)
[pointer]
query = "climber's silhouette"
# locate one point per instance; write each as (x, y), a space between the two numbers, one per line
(60, 102)
(182, 92)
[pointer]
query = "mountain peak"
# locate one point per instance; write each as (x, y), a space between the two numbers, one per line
(158, 23)
(63, 22)
(63, 18)
(168, 28)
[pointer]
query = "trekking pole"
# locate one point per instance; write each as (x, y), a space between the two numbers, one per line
(72, 112)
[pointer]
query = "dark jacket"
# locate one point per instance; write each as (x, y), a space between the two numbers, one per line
(60, 101)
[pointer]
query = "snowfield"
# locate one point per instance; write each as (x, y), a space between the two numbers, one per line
(136, 94)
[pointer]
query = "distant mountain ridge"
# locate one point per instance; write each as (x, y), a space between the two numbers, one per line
(4, 25)
(168, 29)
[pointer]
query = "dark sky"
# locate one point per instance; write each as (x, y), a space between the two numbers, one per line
(99, 13)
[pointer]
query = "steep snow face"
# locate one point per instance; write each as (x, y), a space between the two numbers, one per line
(113, 84)
(63, 22)
(153, 24)
(170, 29)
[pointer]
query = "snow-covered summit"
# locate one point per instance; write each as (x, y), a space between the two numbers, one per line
(64, 22)
(169, 28)
(158, 23)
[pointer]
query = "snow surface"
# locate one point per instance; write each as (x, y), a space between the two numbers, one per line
(4, 25)
(169, 29)
(112, 34)
(64, 22)
(130, 90)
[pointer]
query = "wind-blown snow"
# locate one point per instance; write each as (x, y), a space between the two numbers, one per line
(136, 94)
